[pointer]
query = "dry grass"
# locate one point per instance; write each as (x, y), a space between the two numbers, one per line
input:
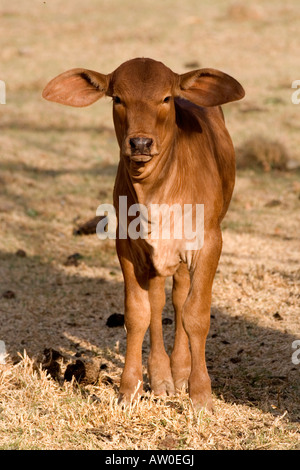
(259, 152)
(240, 12)
(58, 164)
(43, 415)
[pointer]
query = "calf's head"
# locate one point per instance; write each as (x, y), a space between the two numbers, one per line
(143, 93)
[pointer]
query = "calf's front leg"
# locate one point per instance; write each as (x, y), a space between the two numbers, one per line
(137, 320)
(196, 317)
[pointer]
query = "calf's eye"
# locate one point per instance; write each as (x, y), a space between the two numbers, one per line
(167, 99)
(117, 99)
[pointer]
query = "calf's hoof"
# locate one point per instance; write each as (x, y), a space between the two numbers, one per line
(160, 377)
(200, 394)
(127, 399)
(205, 404)
(129, 393)
(181, 371)
(163, 387)
(181, 385)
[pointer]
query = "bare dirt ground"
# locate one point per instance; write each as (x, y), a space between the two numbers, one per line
(58, 164)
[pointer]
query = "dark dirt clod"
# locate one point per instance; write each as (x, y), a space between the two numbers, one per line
(53, 370)
(235, 360)
(114, 320)
(9, 294)
(277, 316)
(73, 260)
(21, 253)
(50, 363)
(89, 227)
(51, 354)
(85, 371)
(76, 370)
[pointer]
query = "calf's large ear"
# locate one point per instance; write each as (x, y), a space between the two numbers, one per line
(77, 87)
(209, 87)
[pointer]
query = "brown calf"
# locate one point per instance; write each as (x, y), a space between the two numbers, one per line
(174, 149)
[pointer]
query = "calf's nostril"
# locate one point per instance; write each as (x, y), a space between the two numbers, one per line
(148, 143)
(132, 143)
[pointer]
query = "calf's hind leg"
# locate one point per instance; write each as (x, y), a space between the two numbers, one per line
(180, 357)
(159, 371)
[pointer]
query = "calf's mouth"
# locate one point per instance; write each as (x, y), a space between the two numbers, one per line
(141, 158)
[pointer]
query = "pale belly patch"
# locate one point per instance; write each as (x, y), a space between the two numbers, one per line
(165, 256)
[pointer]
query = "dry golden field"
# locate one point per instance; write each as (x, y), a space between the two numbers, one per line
(58, 164)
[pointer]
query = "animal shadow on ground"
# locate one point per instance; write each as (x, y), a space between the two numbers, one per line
(67, 311)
